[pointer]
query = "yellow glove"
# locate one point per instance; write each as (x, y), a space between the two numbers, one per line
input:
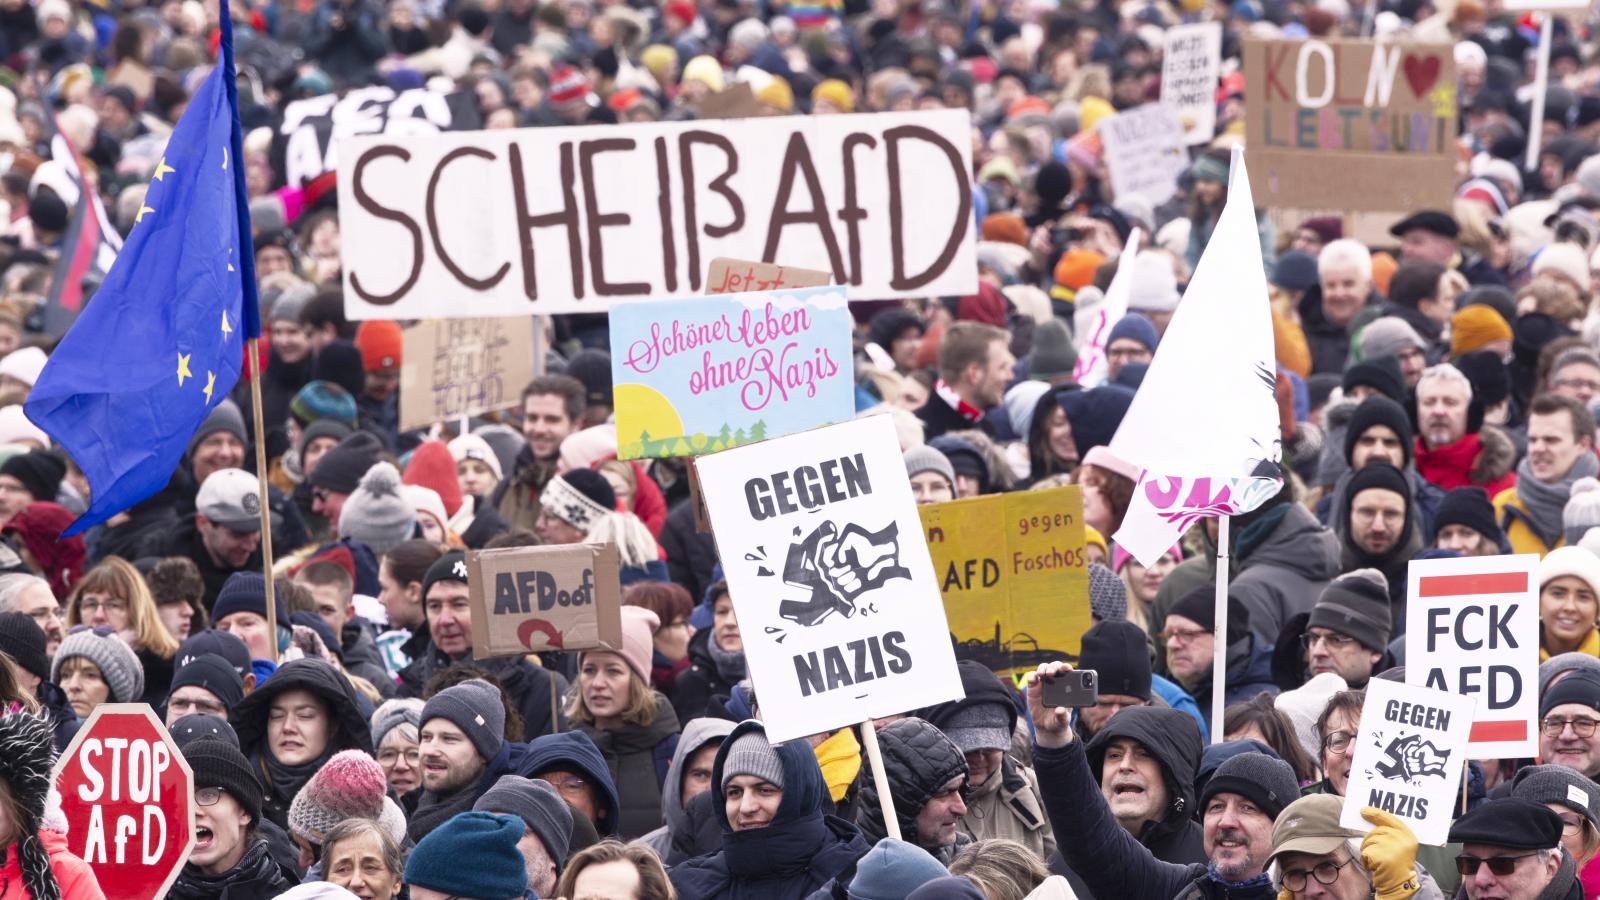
(1283, 893)
(1389, 853)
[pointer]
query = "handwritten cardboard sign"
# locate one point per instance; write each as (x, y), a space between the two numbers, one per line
(1145, 151)
(466, 224)
(703, 374)
(736, 276)
(463, 367)
(529, 599)
(1384, 109)
(1407, 758)
(835, 592)
(1012, 572)
(1191, 62)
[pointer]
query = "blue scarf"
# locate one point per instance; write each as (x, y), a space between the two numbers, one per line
(1261, 882)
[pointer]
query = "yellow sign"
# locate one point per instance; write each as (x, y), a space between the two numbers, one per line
(1012, 570)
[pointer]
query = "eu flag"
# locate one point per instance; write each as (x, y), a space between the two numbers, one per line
(162, 340)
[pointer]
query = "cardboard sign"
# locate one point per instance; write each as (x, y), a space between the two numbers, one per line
(835, 592)
(1191, 63)
(1386, 110)
(737, 101)
(307, 143)
(532, 599)
(128, 797)
(568, 220)
(1144, 149)
(737, 276)
(705, 374)
(1012, 571)
(1472, 628)
(452, 368)
(1409, 753)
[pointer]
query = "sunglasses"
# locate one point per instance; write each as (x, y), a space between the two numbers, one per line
(1498, 865)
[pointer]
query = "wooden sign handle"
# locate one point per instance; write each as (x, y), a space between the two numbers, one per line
(880, 777)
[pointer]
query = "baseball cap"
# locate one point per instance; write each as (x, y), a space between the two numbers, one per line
(231, 498)
(1310, 825)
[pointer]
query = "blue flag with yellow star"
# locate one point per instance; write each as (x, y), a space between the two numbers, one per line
(162, 340)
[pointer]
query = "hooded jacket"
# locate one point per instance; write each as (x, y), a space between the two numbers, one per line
(800, 850)
(1173, 738)
(573, 751)
(918, 760)
(637, 756)
(76, 880)
(697, 734)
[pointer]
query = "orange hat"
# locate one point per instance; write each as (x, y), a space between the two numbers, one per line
(1007, 227)
(1475, 327)
(1076, 268)
(379, 343)
(1383, 268)
(1026, 105)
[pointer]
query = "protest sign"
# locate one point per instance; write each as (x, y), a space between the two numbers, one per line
(127, 795)
(1472, 627)
(532, 599)
(307, 143)
(1191, 63)
(1144, 149)
(1408, 755)
(463, 367)
(1385, 110)
(704, 374)
(1012, 571)
(736, 276)
(567, 220)
(830, 577)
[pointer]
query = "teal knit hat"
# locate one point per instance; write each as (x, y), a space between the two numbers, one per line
(1209, 168)
(472, 855)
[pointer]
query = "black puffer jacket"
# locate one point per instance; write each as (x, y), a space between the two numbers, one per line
(700, 690)
(919, 760)
(1173, 738)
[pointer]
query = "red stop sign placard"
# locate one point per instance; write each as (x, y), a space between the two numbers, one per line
(128, 796)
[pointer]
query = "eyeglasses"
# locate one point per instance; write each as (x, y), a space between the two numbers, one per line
(1333, 639)
(1338, 742)
(319, 494)
(91, 605)
(1181, 635)
(391, 755)
(1582, 727)
(1577, 383)
(208, 796)
(1499, 865)
(1325, 873)
(188, 706)
(567, 784)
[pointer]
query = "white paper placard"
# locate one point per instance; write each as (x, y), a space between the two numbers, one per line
(1408, 757)
(1191, 64)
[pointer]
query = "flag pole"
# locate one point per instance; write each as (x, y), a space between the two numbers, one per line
(252, 349)
(1219, 632)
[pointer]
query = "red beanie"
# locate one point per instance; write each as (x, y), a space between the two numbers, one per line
(432, 466)
(379, 343)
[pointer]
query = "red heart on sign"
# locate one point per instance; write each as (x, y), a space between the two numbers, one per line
(1421, 73)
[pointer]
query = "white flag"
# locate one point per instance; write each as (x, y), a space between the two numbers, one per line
(1203, 428)
(1092, 365)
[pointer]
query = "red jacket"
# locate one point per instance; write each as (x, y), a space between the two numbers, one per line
(1461, 464)
(73, 874)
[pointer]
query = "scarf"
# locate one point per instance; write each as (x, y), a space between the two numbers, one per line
(731, 667)
(433, 810)
(1589, 647)
(1260, 885)
(256, 866)
(1561, 884)
(286, 781)
(840, 760)
(963, 409)
(1543, 503)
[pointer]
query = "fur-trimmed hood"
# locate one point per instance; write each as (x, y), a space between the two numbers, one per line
(1497, 456)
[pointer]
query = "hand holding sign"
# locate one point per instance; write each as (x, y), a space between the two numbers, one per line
(1389, 853)
(1407, 760)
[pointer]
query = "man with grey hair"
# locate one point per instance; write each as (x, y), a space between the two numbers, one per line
(1454, 447)
(31, 596)
(1576, 374)
(1344, 286)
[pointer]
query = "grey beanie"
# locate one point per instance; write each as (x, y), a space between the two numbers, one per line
(981, 726)
(475, 708)
(539, 807)
(225, 416)
(1108, 596)
(1561, 662)
(1266, 781)
(1560, 785)
(1386, 336)
(394, 713)
(1356, 604)
(926, 459)
(377, 514)
(750, 754)
(118, 665)
(289, 300)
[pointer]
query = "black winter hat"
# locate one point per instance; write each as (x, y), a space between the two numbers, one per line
(1356, 604)
(450, 567)
(1379, 410)
(192, 728)
(593, 369)
(1199, 607)
(1493, 296)
(40, 471)
(1380, 372)
(341, 468)
(1264, 780)
(1377, 475)
(340, 363)
(23, 640)
(212, 673)
(217, 764)
(1470, 507)
(1581, 687)
(1119, 651)
(1511, 822)
(1491, 380)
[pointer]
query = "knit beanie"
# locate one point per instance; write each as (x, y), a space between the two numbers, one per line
(323, 400)
(339, 362)
(23, 640)
(1304, 705)
(450, 567)
(1118, 651)
(639, 626)
(247, 592)
(321, 428)
(225, 416)
(1095, 414)
(394, 713)
(1574, 661)
(1108, 596)
(1356, 604)
(580, 498)
(979, 726)
(539, 807)
(1381, 373)
(471, 446)
(118, 665)
(15, 427)
(217, 642)
(1075, 269)
(348, 786)
(474, 707)
(1582, 511)
(1379, 410)
(1475, 327)
(1199, 607)
(505, 441)
(1468, 507)
(431, 466)
(379, 341)
(193, 727)
(1490, 377)
(1264, 780)
(25, 766)
(1053, 355)
(1381, 476)
(376, 514)
(751, 754)
(1154, 287)
(1295, 271)
(40, 471)
(1574, 561)
(892, 869)
(217, 764)
(1135, 327)
(341, 469)
(473, 855)
(1562, 786)
(24, 364)
(1387, 336)
(212, 673)
(1581, 687)
(926, 459)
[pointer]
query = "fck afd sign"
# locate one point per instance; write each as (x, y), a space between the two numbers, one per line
(128, 796)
